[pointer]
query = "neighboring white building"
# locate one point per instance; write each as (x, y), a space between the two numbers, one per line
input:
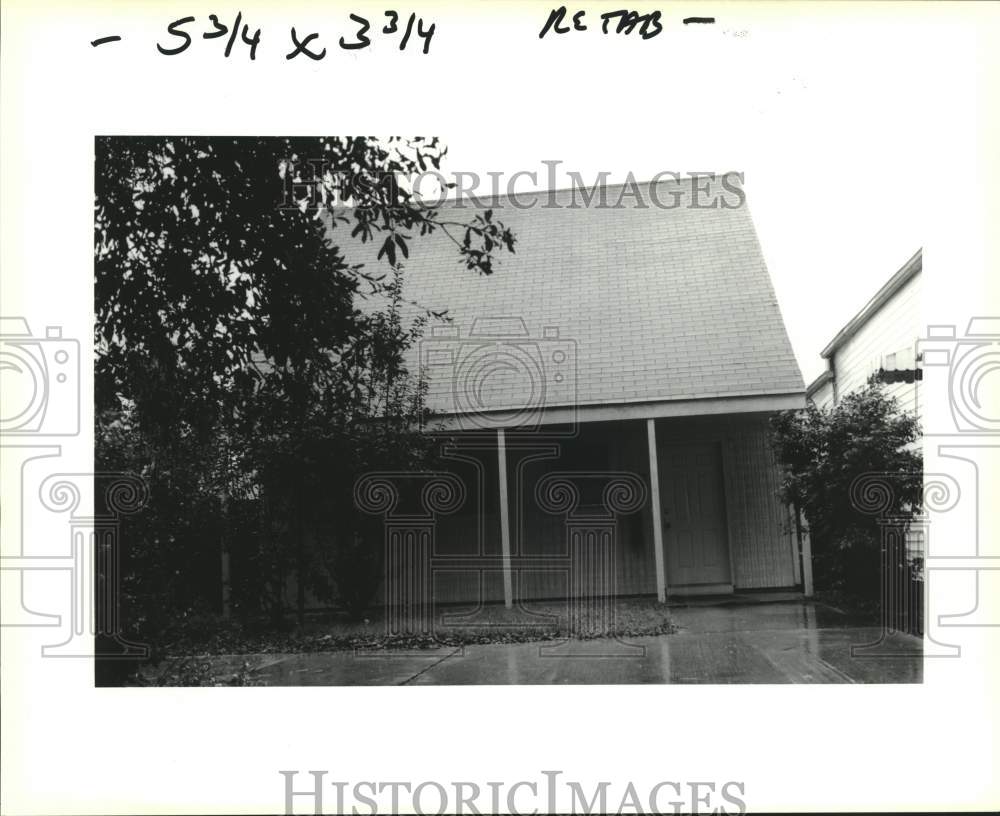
(880, 339)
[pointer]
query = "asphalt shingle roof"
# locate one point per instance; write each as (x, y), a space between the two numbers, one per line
(649, 304)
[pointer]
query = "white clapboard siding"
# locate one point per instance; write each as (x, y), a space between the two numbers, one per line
(823, 396)
(887, 340)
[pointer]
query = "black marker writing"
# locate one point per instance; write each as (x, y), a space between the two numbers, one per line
(625, 22)
(302, 47)
(556, 18)
(173, 28)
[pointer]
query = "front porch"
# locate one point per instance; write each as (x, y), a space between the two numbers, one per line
(706, 519)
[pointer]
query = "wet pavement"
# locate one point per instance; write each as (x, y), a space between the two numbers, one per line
(797, 642)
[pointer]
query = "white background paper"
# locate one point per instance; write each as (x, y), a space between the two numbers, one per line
(864, 132)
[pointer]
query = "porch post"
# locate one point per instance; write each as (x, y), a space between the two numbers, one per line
(508, 593)
(654, 487)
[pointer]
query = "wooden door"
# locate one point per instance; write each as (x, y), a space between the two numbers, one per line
(694, 516)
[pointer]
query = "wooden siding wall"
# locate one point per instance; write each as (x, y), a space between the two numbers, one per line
(824, 395)
(467, 563)
(540, 538)
(893, 329)
(466, 543)
(762, 547)
(467, 550)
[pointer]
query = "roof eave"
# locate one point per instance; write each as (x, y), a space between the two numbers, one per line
(893, 285)
(608, 412)
(819, 382)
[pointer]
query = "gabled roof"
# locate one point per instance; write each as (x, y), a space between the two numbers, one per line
(648, 305)
(879, 299)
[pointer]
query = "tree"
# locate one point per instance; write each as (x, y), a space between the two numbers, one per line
(308, 455)
(206, 261)
(823, 453)
(235, 365)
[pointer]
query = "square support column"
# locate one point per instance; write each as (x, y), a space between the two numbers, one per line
(508, 584)
(654, 488)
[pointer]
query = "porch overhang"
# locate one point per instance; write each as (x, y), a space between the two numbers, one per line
(605, 412)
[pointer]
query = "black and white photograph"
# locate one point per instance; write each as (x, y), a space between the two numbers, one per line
(620, 438)
(557, 437)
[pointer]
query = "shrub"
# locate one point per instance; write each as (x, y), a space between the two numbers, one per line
(823, 453)
(357, 566)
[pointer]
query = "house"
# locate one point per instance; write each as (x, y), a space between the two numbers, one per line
(640, 345)
(879, 340)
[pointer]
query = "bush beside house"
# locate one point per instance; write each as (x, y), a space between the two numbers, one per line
(824, 452)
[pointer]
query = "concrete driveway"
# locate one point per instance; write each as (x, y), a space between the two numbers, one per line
(798, 642)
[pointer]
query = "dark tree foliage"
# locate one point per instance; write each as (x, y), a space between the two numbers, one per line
(239, 369)
(823, 453)
(203, 263)
(307, 448)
